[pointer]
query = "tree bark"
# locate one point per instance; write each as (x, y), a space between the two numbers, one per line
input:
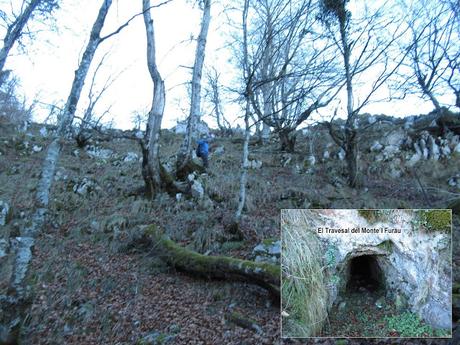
(151, 143)
(14, 31)
(185, 152)
(220, 267)
(26, 241)
(287, 140)
(350, 144)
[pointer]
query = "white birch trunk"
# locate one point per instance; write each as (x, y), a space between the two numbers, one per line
(247, 133)
(151, 141)
(185, 152)
(25, 243)
(14, 31)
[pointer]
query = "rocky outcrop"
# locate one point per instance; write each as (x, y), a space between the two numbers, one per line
(415, 263)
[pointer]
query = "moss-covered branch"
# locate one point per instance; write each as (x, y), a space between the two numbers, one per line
(221, 267)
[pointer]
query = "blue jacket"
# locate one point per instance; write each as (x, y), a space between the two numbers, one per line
(203, 148)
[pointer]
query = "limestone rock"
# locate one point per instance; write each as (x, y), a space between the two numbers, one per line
(37, 148)
(85, 187)
(4, 245)
(197, 189)
(268, 248)
(5, 213)
(43, 132)
(131, 157)
(218, 151)
(414, 266)
(376, 147)
(97, 152)
(341, 154)
(255, 164)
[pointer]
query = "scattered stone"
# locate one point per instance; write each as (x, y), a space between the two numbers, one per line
(326, 155)
(76, 153)
(219, 151)
(197, 190)
(255, 164)
(5, 213)
(454, 181)
(341, 154)
(139, 135)
(156, 338)
(311, 160)
(414, 159)
(131, 157)
(390, 151)
(4, 245)
(60, 175)
(97, 152)
(376, 147)
(43, 132)
(380, 302)
(191, 177)
(37, 148)
(457, 148)
(85, 187)
(267, 251)
(433, 148)
(179, 197)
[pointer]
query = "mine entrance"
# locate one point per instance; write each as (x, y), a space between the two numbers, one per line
(365, 274)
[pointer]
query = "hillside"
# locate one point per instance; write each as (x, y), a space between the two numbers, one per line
(90, 284)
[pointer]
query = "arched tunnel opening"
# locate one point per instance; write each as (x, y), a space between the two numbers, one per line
(364, 273)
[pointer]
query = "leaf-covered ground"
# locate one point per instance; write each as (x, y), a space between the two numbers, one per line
(87, 290)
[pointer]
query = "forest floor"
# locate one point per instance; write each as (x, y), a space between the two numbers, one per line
(88, 290)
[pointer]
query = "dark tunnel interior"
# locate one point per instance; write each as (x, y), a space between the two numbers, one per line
(364, 274)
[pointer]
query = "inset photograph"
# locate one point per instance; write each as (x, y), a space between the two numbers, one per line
(366, 273)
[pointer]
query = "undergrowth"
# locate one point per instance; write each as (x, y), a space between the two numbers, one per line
(304, 294)
(409, 325)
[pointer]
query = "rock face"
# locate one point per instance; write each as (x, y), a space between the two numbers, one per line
(415, 264)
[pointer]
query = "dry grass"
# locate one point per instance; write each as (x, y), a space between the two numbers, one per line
(304, 293)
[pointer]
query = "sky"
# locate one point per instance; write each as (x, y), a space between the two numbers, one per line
(46, 70)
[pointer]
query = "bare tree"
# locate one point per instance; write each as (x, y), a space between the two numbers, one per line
(15, 25)
(364, 45)
(26, 241)
(184, 155)
(213, 95)
(294, 73)
(151, 142)
(434, 57)
(248, 74)
(89, 120)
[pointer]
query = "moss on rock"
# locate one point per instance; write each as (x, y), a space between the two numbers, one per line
(436, 220)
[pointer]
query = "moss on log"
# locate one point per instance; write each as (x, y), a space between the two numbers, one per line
(220, 267)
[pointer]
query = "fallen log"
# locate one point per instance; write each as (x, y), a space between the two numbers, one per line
(220, 267)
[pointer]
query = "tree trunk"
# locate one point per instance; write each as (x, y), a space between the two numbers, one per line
(26, 241)
(351, 157)
(220, 267)
(151, 142)
(350, 145)
(287, 140)
(185, 152)
(234, 227)
(14, 31)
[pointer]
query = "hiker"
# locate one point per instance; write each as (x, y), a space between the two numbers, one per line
(202, 151)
